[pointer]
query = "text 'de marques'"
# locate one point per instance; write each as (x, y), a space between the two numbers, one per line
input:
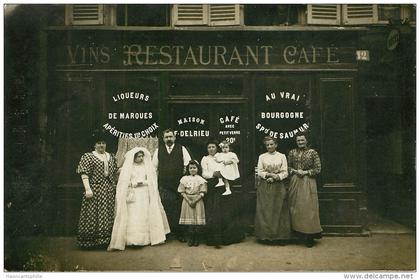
(130, 116)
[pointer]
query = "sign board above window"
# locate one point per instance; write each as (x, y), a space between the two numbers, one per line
(91, 50)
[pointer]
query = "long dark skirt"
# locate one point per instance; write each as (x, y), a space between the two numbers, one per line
(272, 218)
(223, 216)
(97, 217)
(304, 209)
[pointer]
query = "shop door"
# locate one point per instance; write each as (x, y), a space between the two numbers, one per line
(335, 119)
(335, 126)
(196, 123)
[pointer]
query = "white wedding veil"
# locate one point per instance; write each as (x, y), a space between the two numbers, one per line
(159, 226)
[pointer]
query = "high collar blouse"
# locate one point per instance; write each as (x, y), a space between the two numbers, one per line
(305, 159)
(272, 163)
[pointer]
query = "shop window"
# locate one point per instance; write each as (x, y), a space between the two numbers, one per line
(324, 14)
(143, 15)
(270, 15)
(360, 14)
(206, 15)
(85, 14)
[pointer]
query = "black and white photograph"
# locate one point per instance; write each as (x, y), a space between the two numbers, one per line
(210, 137)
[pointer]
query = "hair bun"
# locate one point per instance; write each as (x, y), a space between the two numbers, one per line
(99, 135)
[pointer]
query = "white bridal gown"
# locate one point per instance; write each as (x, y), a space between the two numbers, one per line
(141, 221)
(138, 232)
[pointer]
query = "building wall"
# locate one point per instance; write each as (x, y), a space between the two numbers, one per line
(61, 110)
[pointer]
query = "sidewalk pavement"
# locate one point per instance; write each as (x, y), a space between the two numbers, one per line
(377, 252)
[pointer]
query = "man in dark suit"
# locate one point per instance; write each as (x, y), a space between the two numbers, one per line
(170, 160)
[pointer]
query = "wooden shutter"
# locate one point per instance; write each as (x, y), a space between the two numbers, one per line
(190, 14)
(224, 15)
(360, 14)
(85, 14)
(324, 14)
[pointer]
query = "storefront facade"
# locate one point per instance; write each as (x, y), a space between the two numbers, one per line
(237, 86)
(349, 84)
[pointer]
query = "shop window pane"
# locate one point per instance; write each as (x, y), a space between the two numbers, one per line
(195, 85)
(142, 15)
(132, 102)
(271, 15)
(196, 123)
(192, 126)
(282, 108)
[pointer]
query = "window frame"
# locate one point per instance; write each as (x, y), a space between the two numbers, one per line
(374, 19)
(69, 16)
(312, 21)
(206, 20)
(175, 16)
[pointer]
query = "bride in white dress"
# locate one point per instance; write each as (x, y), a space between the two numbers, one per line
(140, 218)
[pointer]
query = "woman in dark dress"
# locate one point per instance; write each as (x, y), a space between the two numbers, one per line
(304, 166)
(272, 218)
(223, 219)
(98, 172)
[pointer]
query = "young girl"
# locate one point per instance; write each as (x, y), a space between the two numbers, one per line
(192, 188)
(228, 166)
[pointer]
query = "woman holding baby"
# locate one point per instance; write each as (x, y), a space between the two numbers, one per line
(222, 218)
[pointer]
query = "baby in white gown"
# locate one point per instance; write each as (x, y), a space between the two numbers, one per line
(228, 166)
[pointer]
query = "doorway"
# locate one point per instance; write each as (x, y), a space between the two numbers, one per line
(196, 122)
